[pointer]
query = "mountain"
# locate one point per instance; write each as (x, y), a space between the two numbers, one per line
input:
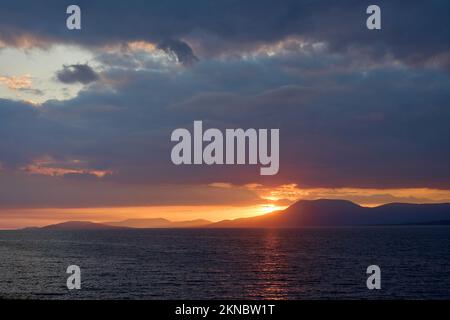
(159, 223)
(325, 212)
(304, 213)
(78, 225)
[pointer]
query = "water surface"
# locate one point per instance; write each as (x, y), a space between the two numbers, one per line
(310, 263)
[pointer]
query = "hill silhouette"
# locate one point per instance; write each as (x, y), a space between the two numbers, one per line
(303, 213)
(78, 225)
(159, 223)
(126, 224)
(325, 212)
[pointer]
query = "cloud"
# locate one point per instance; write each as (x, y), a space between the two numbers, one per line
(21, 190)
(355, 109)
(180, 49)
(213, 29)
(336, 128)
(77, 73)
(22, 83)
(18, 82)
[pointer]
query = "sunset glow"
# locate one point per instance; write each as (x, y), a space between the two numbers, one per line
(271, 199)
(86, 118)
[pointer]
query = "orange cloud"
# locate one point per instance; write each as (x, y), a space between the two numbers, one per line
(61, 171)
(142, 45)
(17, 82)
(25, 41)
(48, 167)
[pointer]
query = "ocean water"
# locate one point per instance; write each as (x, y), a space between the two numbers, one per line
(309, 263)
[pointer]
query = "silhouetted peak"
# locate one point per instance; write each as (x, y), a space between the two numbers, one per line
(77, 225)
(323, 203)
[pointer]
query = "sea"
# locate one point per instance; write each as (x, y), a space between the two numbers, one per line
(286, 264)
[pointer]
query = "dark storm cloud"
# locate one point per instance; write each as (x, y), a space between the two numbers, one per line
(77, 73)
(180, 49)
(415, 32)
(341, 125)
(349, 114)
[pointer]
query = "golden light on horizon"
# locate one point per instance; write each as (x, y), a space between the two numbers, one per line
(269, 199)
(267, 208)
(18, 218)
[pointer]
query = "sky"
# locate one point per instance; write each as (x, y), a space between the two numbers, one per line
(86, 115)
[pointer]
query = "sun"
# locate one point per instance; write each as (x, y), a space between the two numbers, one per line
(267, 208)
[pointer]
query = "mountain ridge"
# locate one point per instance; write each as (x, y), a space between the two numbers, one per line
(158, 223)
(330, 212)
(303, 213)
(78, 225)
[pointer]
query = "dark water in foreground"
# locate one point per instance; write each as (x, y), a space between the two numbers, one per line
(227, 264)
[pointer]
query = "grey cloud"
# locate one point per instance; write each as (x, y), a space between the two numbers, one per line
(77, 73)
(416, 33)
(337, 130)
(349, 115)
(37, 92)
(37, 191)
(180, 49)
